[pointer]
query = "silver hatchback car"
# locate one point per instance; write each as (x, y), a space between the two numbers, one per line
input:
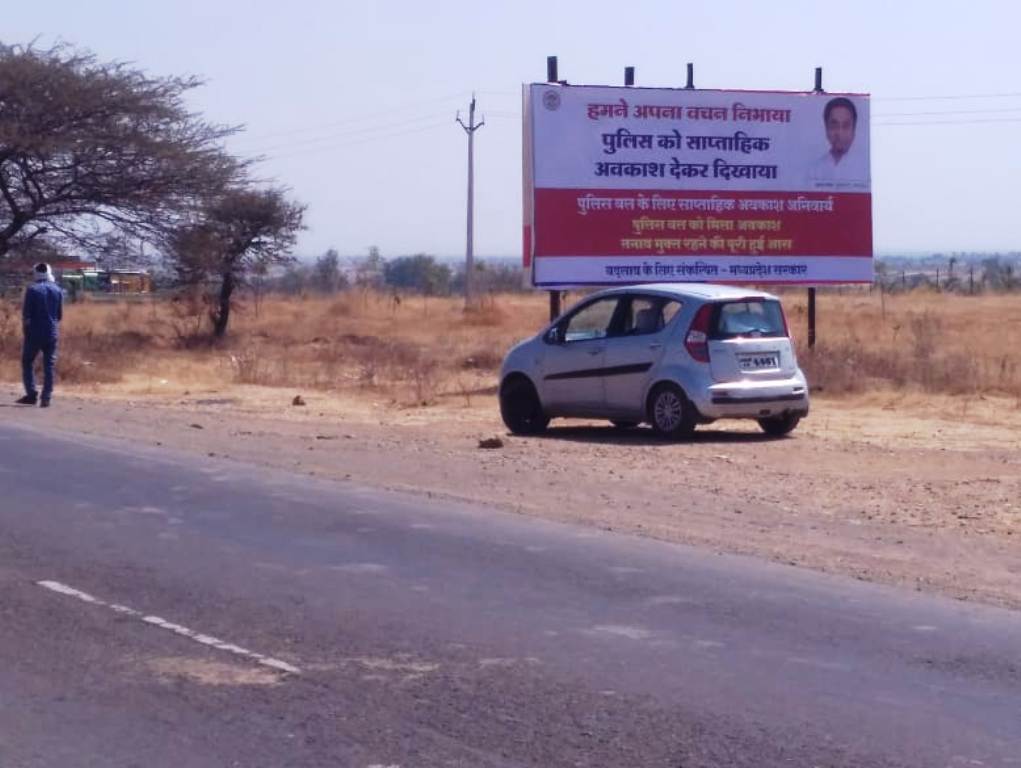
(673, 355)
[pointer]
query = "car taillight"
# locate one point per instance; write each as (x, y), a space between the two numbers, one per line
(786, 328)
(697, 340)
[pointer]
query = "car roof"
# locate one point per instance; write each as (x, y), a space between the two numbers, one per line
(703, 291)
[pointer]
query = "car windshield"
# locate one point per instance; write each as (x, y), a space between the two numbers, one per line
(753, 318)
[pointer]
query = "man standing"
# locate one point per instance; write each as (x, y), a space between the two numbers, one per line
(41, 313)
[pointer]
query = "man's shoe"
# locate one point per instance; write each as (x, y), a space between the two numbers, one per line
(44, 403)
(26, 400)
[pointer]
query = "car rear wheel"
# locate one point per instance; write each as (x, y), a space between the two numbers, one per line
(521, 409)
(778, 426)
(671, 414)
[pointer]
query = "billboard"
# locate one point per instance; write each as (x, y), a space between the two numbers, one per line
(629, 185)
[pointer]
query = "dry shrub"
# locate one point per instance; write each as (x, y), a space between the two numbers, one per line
(483, 359)
(188, 320)
(925, 341)
(853, 368)
(74, 367)
(247, 366)
(485, 312)
(10, 325)
(343, 306)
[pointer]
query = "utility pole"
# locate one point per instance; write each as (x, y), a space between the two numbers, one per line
(469, 256)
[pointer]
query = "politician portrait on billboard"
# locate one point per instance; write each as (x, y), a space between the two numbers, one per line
(845, 163)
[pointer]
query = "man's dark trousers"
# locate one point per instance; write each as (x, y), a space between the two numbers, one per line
(29, 352)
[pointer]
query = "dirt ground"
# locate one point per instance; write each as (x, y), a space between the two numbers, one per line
(912, 491)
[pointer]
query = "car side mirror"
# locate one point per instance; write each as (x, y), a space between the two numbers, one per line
(554, 335)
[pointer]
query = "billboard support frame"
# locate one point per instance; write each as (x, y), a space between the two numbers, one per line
(811, 290)
(554, 296)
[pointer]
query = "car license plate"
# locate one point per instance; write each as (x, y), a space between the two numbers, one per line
(759, 361)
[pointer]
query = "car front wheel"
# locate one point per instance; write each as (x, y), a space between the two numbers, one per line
(520, 408)
(671, 414)
(778, 426)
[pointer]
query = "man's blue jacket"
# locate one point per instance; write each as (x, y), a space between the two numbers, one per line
(43, 311)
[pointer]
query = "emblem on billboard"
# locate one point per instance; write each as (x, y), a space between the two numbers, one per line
(551, 100)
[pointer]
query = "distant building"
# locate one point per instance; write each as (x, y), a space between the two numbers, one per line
(79, 276)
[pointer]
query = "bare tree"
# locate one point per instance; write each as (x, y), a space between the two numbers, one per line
(243, 232)
(90, 147)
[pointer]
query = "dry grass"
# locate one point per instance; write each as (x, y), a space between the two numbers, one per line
(921, 341)
(421, 349)
(414, 351)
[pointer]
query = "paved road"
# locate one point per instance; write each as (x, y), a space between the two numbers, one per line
(180, 590)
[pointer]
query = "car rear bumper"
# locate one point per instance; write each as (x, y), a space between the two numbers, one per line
(755, 401)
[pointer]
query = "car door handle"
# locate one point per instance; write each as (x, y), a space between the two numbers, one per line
(596, 351)
(656, 345)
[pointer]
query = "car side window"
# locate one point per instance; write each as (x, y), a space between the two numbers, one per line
(644, 315)
(591, 322)
(670, 310)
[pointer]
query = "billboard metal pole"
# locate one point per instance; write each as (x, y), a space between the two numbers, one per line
(811, 291)
(554, 296)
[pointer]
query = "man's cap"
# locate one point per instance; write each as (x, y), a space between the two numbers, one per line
(42, 268)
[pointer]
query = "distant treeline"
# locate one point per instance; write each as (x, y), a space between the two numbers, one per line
(417, 273)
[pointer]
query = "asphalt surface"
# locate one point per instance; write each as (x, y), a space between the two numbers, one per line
(426, 632)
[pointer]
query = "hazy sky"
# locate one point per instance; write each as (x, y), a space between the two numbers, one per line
(354, 103)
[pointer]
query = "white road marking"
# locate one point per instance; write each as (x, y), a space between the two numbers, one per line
(177, 629)
(709, 644)
(360, 568)
(625, 570)
(619, 630)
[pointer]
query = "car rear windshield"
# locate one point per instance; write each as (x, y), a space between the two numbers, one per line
(748, 318)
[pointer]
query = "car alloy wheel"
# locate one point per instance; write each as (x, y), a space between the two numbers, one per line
(670, 412)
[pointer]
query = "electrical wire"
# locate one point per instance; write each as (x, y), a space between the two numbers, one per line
(953, 97)
(951, 122)
(365, 140)
(342, 134)
(348, 121)
(947, 112)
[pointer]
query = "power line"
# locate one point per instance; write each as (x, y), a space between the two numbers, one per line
(366, 140)
(348, 121)
(954, 97)
(342, 134)
(952, 122)
(515, 94)
(949, 112)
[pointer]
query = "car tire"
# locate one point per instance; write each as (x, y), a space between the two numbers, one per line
(620, 424)
(778, 426)
(671, 414)
(520, 408)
